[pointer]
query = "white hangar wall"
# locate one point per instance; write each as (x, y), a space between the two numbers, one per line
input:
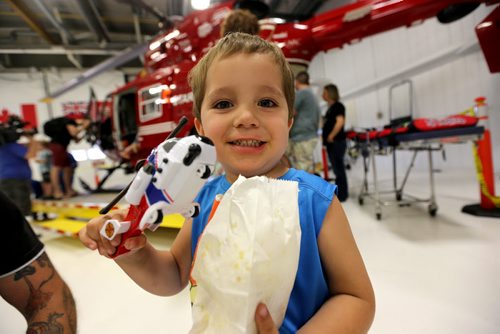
(365, 71)
(28, 88)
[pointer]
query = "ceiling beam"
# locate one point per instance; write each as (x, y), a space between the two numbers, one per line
(93, 20)
(66, 36)
(109, 64)
(30, 18)
(61, 51)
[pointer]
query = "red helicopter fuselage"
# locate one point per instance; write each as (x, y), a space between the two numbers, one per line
(147, 108)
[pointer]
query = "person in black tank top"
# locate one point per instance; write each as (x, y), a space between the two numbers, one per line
(334, 138)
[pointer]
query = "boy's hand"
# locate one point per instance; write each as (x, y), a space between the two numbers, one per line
(265, 324)
(91, 237)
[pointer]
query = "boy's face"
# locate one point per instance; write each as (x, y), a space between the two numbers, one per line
(245, 114)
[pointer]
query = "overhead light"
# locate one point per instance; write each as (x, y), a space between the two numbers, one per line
(484, 25)
(272, 20)
(154, 45)
(300, 26)
(173, 34)
(200, 4)
(157, 89)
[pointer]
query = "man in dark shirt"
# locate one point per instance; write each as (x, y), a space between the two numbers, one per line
(62, 131)
(28, 280)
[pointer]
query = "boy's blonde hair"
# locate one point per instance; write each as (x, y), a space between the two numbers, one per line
(232, 44)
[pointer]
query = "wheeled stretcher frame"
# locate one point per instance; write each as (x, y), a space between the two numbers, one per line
(417, 142)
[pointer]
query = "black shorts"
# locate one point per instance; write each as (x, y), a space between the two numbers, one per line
(19, 191)
(46, 177)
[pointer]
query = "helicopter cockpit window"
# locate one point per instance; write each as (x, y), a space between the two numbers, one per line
(150, 103)
(127, 120)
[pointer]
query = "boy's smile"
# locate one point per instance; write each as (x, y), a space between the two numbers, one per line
(248, 145)
(245, 113)
(247, 142)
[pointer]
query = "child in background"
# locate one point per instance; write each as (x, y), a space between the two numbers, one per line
(44, 160)
(244, 91)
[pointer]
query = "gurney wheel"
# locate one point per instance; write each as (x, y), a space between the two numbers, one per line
(379, 216)
(361, 201)
(399, 197)
(432, 210)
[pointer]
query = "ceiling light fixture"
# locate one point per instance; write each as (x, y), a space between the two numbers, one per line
(200, 4)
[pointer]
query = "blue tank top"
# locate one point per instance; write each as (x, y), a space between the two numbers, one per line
(310, 289)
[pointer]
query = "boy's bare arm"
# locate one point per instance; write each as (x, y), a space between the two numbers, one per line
(43, 298)
(351, 307)
(163, 273)
(159, 272)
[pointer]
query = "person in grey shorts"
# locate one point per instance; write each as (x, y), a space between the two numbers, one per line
(304, 132)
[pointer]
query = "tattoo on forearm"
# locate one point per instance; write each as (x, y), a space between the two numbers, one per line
(69, 306)
(51, 326)
(39, 299)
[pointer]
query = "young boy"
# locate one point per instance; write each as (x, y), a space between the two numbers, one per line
(44, 159)
(244, 91)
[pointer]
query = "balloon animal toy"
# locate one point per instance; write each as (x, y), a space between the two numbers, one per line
(166, 183)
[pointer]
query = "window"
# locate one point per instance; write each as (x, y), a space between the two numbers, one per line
(151, 100)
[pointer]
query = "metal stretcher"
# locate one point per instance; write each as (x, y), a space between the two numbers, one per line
(428, 141)
(397, 137)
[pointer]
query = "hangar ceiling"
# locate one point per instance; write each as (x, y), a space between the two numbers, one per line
(84, 33)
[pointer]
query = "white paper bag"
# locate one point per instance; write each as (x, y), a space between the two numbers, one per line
(248, 253)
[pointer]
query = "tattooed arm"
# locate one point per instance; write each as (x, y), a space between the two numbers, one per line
(42, 296)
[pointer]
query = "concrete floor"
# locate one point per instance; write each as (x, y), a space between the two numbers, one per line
(430, 274)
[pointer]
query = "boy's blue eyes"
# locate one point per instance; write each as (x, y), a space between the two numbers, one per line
(223, 105)
(265, 103)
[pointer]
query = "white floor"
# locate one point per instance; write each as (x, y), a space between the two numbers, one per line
(430, 274)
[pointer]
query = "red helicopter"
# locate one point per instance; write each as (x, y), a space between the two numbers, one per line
(147, 108)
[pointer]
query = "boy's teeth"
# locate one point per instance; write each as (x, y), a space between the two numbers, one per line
(252, 143)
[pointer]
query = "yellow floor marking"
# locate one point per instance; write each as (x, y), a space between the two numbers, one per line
(173, 221)
(70, 227)
(61, 225)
